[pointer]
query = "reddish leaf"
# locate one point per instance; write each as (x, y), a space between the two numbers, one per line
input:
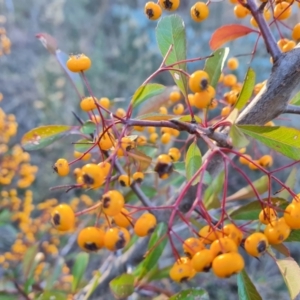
(228, 33)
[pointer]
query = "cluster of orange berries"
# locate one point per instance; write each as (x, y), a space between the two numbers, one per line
(264, 161)
(282, 10)
(217, 249)
(199, 11)
(14, 161)
(112, 235)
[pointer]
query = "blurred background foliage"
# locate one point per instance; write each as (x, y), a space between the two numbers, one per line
(121, 43)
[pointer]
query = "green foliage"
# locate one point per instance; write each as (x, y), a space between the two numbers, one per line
(193, 162)
(191, 294)
(122, 286)
(246, 289)
(79, 268)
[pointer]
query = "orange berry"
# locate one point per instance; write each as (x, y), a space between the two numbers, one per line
(234, 233)
(256, 244)
(182, 270)
(267, 215)
(240, 11)
(138, 177)
(232, 63)
(296, 32)
(178, 109)
(192, 245)
(277, 231)
(112, 203)
(202, 260)
(88, 104)
(199, 81)
(78, 63)
(63, 217)
(152, 10)
(292, 215)
(163, 166)
(92, 175)
(85, 156)
(209, 234)
(121, 113)
(170, 5)
(228, 264)
(122, 219)
(266, 161)
(282, 10)
(116, 238)
(61, 167)
(145, 224)
(106, 141)
(229, 80)
(91, 238)
(199, 11)
(174, 153)
(105, 102)
(165, 138)
(203, 99)
(225, 111)
(223, 245)
(175, 96)
(124, 180)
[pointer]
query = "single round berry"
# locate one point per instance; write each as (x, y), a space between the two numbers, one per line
(170, 5)
(202, 260)
(116, 238)
(266, 161)
(178, 109)
(61, 167)
(209, 234)
(106, 141)
(229, 80)
(282, 10)
(105, 102)
(92, 175)
(175, 96)
(290, 45)
(182, 270)
(296, 32)
(105, 168)
(145, 224)
(174, 153)
(88, 104)
(122, 219)
(256, 244)
(91, 239)
(203, 99)
(153, 137)
(234, 233)
(232, 63)
(163, 166)
(199, 12)
(267, 215)
(223, 245)
(213, 104)
(121, 113)
(292, 215)
(252, 165)
(199, 81)
(78, 63)
(228, 264)
(141, 140)
(63, 217)
(165, 138)
(225, 111)
(243, 160)
(138, 177)
(163, 110)
(240, 11)
(112, 203)
(192, 245)
(124, 180)
(127, 143)
(152, 10)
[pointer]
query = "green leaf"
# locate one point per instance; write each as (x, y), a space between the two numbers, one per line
(247, 90)
(149, 191)
(156, 247)
(144, 92)
(290, 272)
(294, 236)
(83, 145)
(29, 262)
(122, 286)
(88, 127)
(246, 289)
(191, 294)
(79, 267)
(54, 274)
(193, 162)
(211, 199)
(296, 99)
(160, 274)
(239, 140)
(290, 182)
(187, 118)
(171, 31)
(52, 295)
(282, 139)
(282, 249)
(93, 284)
(214, 65)
(247, 192)
(5, 217)
(250, 211)
(43, 136)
